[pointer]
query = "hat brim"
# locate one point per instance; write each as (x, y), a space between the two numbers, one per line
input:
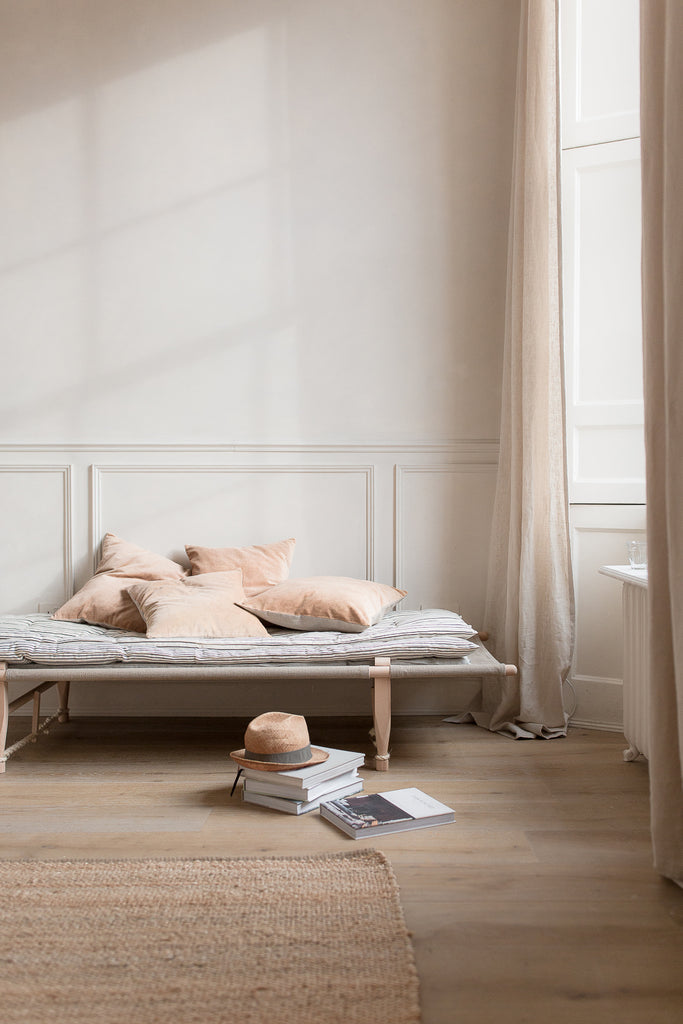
(318, 756)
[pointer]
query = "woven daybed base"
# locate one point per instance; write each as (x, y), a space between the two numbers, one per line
(380, 673)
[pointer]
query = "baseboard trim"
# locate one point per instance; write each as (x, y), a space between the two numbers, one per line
(578, 723)
(599, 703)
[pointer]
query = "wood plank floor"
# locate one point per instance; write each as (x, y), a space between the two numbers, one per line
(539, 904)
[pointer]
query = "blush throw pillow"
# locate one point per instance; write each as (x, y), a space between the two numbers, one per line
(198, 606)
(103, 600)
(325, 603)
(121, 558)
(262, 565)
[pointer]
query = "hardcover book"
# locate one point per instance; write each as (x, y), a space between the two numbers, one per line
(337, 763)
(266, 787)
(295, 806)
(373, 814)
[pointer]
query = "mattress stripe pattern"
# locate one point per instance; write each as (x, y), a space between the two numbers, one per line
(40, 640)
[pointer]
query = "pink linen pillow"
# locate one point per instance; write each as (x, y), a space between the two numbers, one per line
(121, 558)
(262, 565)
(103, 600)
(197, 606)
(325, 603)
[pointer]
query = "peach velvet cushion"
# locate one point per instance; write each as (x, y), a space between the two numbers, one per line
(198, 606)
(325, 602)
(121, 558)
(103, 600)
(262, 565)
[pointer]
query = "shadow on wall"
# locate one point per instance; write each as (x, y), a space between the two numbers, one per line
(266, 220)
(144, 219)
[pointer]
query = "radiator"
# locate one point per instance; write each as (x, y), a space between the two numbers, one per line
(636, 671)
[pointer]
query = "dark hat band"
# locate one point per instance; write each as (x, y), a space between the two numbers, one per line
(286, 757)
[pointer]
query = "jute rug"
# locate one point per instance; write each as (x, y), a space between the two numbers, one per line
(310, 940)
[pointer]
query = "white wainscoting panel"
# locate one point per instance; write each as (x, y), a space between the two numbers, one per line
(36, 538)
(415, 515)
(443, 523)
(328, 509)
(599, 535)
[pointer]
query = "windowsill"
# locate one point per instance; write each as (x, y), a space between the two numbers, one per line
(625, 574)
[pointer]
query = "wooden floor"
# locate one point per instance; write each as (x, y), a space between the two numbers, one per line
(539, 904)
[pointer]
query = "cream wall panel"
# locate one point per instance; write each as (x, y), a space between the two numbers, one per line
(599, 536)
(328, 509)
(36, 542)
(599, 47)
(443, 516)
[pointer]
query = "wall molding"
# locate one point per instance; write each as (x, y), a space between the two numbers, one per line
(401, 472)
(66, 472)
(98, 471)
(482, 450)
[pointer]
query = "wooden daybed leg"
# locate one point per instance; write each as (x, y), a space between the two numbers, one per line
(35, 719)
(381, 710)
(63, 713)
(4, 713)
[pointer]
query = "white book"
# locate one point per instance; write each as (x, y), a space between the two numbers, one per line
(295, 806)
(374, 814)
(266, 787)
(338, 762)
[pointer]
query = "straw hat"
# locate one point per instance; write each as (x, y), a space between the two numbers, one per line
(276, 742)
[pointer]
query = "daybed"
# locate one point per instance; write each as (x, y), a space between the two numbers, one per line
(39, 652)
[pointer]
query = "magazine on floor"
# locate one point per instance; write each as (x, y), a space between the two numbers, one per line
(374, 814)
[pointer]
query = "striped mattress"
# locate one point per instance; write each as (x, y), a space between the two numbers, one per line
(40, 640)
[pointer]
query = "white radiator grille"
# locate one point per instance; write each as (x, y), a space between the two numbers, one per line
(636, 672)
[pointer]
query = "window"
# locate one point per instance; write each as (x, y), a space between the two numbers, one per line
(601, 250)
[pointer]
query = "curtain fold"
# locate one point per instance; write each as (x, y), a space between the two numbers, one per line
(661, 26)
(530, 604)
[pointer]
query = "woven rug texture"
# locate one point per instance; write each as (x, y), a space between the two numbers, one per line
(306, 940)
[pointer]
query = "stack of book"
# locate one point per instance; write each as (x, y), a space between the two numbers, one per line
(302, 789)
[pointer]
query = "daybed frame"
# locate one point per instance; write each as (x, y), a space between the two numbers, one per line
(379, 673)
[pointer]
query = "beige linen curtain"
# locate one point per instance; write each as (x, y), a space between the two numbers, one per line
(661, 25)
(529, 607)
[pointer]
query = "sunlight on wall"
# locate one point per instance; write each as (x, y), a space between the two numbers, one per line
(42, 312)
(185, 274)
(145, 225)
(182, 130)
(42, 168)
(267, 223)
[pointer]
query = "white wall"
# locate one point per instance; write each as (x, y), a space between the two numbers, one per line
(252, 277)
